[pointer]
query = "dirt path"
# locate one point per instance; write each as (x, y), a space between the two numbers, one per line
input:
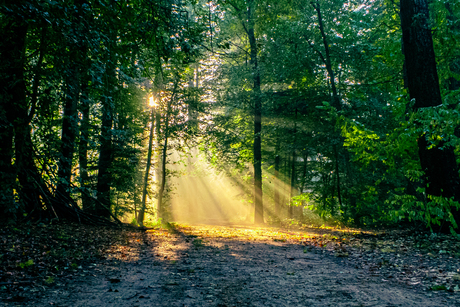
(230, 266)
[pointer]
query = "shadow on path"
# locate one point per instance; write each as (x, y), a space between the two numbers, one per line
(230, 266)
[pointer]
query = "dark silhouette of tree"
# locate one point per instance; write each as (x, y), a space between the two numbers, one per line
(438, 161)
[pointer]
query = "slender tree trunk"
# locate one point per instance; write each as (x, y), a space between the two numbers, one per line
(105, 158)
(292, 189)
(293, 170)
(140, 217)
(304, 172)
(335, 96)
(74, 59)
(18, 117)
(337, 175)
(12, 105)
(285, 199)
(164, 157)
(159, 163)
(304, 181)
(29, 178)
(69, 126)
(328, 62)
(7, 176)
(104, 179)
(87, 203)
(277, 179)
(438, 163)
(258, 203)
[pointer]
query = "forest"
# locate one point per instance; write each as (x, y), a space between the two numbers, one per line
(118, 111)
(229, 153)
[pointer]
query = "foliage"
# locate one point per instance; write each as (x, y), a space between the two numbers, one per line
(339, 134)
(394, 154)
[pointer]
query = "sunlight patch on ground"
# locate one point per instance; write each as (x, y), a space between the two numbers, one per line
(272, 234)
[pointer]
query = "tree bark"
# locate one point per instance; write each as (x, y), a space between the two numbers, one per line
(164, 157)
(74, 59)
(337, 176)
(15, 109)
(159, 163)
(327, 60)
(293, 170)
(87, 203)
(257, 147)
(335, 98)
(104, 179)
(69, 129)
(140, 217)
(12, 102)
(277, 180)
(438, 163)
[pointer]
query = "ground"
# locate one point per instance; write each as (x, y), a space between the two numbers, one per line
(232, 265)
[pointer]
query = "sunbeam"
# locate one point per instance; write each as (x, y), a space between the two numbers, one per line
(205, 195)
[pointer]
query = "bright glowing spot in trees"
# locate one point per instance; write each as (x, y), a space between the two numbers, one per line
(152, 102)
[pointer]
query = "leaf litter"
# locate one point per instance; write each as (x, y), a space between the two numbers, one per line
(240, 265)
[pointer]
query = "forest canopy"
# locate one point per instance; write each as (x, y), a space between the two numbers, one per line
(268, 111)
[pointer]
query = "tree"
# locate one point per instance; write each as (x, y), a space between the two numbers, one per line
(140, 217)
(74, 67)
(437, 159)
(258, 200)
(13, 105)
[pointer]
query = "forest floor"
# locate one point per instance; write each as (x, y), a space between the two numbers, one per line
(206, 265)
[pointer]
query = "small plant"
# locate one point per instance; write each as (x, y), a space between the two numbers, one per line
(49, 280)
(197, 243)
(438, 288)
(26, 264)
(154, 224)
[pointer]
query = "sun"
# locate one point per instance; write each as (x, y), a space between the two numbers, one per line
(152, 102)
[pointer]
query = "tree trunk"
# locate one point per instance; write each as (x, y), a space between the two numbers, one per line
(104, 179)
(164, 157)
(337, 176)
(335, 97)
(74, 59)
(293, 171)
(69, 127)
(140, 217)
(438, 163)
(303, 183)
(86, 198)
(327, 60)
(12, 105)
(277, 180)
(257, 148)
(159, 163)
(16, 110)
